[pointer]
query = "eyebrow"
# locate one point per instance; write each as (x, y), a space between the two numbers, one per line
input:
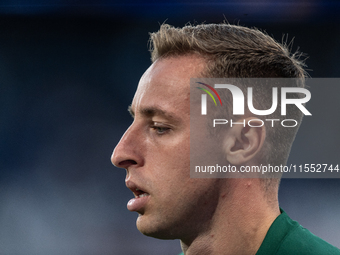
(152, 111)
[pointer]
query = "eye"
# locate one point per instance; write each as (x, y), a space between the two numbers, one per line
(160, 130)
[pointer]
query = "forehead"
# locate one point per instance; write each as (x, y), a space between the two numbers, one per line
(166, 83)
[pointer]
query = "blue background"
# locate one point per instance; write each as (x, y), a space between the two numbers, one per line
(68, 71)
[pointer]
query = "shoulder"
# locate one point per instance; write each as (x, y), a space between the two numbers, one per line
(302, 241)
(286, 237)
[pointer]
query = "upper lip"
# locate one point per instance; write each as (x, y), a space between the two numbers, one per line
(136, 189)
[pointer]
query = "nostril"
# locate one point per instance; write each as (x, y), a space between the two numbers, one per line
(125, 163)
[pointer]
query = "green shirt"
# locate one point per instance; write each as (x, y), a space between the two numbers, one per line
(287, 237)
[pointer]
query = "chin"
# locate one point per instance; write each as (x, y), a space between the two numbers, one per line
(154, 228)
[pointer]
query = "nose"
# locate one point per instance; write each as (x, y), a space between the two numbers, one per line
(128, 151)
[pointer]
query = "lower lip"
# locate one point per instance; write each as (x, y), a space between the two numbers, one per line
(136, 204)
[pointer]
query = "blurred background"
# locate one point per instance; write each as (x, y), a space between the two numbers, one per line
(68, 71)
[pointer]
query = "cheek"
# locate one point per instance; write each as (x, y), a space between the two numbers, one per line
(171, 156)
(173, 168)
(171, 177)
(169, 166)
(178, 163)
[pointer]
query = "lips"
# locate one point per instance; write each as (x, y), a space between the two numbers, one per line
(138, 203)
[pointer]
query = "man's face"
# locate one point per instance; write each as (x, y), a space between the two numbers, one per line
(155, 151)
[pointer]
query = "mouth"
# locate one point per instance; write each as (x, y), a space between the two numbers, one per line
(141, 199)
(140, 193)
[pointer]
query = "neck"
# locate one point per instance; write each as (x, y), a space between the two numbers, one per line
(240, 223)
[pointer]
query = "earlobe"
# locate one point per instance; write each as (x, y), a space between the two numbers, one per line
(243, 143)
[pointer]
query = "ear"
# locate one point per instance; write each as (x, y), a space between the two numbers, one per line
(243, 142)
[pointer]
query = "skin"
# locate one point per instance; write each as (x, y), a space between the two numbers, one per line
(209, 216)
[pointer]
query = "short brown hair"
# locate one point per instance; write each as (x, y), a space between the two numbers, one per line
(231, 51)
